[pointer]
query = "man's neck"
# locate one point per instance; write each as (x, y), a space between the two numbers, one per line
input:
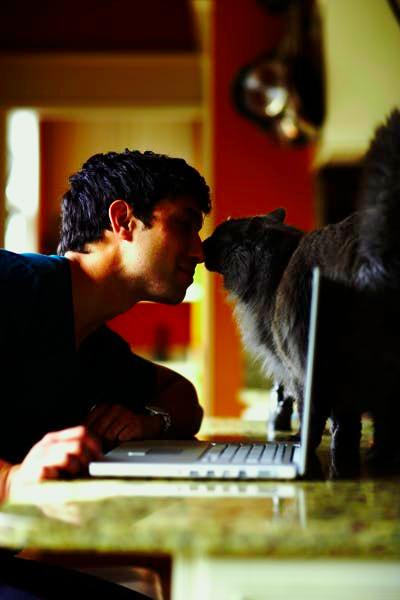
(96, 293)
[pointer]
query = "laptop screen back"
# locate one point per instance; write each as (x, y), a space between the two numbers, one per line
(312, 333)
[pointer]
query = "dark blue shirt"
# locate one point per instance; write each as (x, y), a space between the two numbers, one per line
(46, 384)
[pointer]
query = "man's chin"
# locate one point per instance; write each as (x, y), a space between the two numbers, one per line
(171, 297)
(176, 299)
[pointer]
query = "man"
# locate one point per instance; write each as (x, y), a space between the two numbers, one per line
(130, 232)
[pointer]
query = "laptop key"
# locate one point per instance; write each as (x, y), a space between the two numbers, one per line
(213, 453)
(269, 453)
(255, 453)
(229, 451)
(278, 458)
(241, 454)
(288, 454)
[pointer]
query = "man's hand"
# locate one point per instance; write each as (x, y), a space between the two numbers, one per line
(115, 423)
(66, 451)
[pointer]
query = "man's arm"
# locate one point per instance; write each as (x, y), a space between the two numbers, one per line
(127, 384)
(171, 393)
(178, 397)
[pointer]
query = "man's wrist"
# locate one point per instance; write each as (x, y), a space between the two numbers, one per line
(164, 416)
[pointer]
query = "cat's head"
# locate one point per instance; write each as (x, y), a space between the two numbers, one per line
(244, 249)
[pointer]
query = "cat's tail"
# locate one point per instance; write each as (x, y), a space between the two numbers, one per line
(380, 201)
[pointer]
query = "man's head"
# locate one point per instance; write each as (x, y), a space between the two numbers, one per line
(142, 180)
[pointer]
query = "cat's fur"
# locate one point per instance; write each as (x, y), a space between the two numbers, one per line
(267, 265)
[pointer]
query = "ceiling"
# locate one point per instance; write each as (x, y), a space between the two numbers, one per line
(97, 26)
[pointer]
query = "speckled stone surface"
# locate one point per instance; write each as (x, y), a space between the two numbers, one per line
(359, 519)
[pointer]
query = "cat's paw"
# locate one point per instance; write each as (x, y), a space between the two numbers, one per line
(283, 415)
(345, 463)
(383, 460)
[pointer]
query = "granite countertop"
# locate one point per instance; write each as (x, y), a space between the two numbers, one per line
(358, 519)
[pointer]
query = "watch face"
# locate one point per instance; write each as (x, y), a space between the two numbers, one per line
(154, 410)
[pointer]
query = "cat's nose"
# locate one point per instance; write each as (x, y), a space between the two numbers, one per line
(206, 246)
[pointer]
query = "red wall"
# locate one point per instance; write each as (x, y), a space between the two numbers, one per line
(144, 324)
(252, 174)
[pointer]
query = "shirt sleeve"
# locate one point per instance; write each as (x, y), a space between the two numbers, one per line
(112, 373)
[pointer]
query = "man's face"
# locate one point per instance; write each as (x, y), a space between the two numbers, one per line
(168, 252)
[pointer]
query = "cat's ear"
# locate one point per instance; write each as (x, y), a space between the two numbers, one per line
(278, 215)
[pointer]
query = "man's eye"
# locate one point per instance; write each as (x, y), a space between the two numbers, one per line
(185, 224)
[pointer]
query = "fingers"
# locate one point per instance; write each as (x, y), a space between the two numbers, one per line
(66, 434)
(143, 427)
(115, 423)
(104, 417)
(49, 473)
(126, 427)
(70, 456)
(131, 431)
(78, 434)
(68, 451)
(97, 413)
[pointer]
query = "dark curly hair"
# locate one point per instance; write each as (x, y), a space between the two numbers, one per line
(140, 178)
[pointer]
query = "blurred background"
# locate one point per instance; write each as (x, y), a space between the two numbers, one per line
(273, 101)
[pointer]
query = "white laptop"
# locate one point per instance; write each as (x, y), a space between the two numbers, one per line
(169, 459)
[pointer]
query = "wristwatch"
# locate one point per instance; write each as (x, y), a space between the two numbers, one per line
(166, 417)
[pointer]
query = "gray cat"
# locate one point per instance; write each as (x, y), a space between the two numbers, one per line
(266, 266)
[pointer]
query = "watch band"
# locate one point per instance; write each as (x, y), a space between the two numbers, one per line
(166, 417)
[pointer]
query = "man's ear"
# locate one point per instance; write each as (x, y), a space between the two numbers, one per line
(122, 219)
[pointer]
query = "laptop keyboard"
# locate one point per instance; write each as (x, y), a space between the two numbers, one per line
(250, 454)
